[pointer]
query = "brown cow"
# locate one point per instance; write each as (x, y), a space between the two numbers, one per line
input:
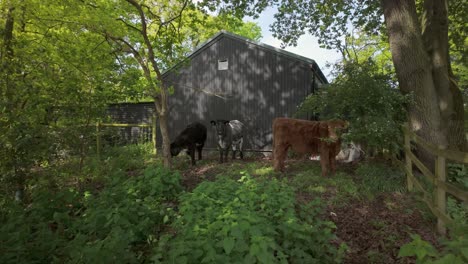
(307, 137)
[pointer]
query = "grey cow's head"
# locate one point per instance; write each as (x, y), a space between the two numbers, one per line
(220, 126)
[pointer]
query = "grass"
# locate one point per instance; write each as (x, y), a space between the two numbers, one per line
(364, 181)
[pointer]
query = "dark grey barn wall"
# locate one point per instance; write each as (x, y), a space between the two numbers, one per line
(259, 85)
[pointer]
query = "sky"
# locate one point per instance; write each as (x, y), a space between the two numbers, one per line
(307, 45)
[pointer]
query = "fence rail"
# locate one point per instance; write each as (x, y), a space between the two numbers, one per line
(438, 205)
(99, 125)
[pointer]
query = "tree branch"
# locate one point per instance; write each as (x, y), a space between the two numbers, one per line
(129, 25)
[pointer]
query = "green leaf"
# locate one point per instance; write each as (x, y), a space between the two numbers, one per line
(254, 249)
(449, 259)
(228, 244)
(464, 252)
(407, 250)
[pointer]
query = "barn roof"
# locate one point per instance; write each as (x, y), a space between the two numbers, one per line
(224, 33)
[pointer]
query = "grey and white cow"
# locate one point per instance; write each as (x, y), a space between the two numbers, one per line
(229, 134)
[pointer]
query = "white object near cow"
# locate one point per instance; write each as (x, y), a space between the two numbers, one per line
(352, 153)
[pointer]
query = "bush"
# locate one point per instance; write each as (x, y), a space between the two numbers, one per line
(248, 221)
(367, 100)
(114, 226)
(455, 251)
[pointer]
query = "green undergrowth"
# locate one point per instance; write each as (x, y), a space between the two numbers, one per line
(68, 225)
(126, 208)
(366, 181)
(452, 251)
(250, 220)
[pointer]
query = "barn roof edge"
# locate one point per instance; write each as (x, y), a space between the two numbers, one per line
(222, 33)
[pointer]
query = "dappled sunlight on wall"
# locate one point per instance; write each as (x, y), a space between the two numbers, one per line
(254, 84)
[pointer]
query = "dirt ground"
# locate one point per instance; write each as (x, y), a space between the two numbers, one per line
(373, 230)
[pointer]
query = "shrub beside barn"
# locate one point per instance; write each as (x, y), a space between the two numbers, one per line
(231, 77)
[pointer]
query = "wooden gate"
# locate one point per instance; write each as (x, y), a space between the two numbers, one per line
(438, 201)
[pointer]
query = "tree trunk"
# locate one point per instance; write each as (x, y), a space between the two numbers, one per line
(163, 128)
(435, 36)
(414, 72)
(7, 71)
(7, 38)
(165, 141)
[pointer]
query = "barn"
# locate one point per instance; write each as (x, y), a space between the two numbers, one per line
(231, 77)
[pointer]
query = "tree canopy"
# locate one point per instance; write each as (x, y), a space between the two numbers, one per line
(62, 62)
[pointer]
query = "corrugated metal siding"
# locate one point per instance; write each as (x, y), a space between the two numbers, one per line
(259, 85)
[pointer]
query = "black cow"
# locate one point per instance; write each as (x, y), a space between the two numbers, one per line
(193, 136)
(229, 134)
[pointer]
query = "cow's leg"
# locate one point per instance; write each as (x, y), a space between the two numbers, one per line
(324, 159)
(332, 161)
(221, 155)
(279, 154)
(226, 152)
(191, 151)
(200, 148)
(241, 143)
(233, 153)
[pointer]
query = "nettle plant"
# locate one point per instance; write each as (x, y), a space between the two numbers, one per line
(116, 225)
(365, 98)
(247, 221)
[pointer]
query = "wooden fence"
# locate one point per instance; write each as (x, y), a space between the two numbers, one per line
(99, 125)
(437, 202)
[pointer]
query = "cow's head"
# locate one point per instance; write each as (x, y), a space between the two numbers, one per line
(336, 128)
(175, 150)
(220, 126)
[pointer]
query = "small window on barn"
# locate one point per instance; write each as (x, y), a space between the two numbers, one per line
(223, 65)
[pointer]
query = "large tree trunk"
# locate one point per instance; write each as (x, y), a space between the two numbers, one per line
(435, 36)
(414, 72)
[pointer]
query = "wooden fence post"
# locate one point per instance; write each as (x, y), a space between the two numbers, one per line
(153, 134)
(409, 164)
(440, 194)
(98, 140)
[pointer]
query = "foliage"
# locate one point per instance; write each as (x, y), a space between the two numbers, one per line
(328, 20)
(455, 251)
(458, 41)
(361, 48)
(365, 99)
(49, 88)
(113, 226)
(124, 215)
(248, 220)
(458, 174)
(209, 25)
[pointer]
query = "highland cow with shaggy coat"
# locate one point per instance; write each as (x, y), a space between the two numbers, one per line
(307, 137)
